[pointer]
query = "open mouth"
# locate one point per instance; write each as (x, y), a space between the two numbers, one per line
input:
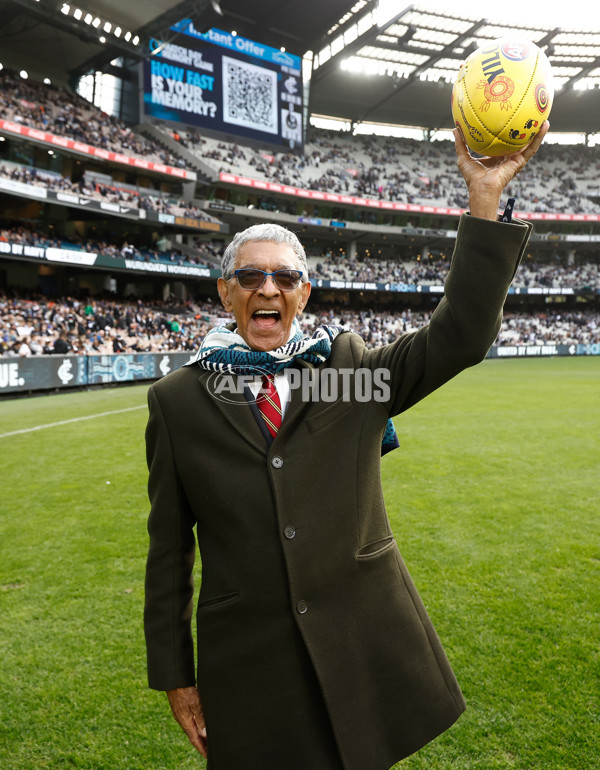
(266, 318)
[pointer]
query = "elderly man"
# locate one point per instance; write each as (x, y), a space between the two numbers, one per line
(314, 650)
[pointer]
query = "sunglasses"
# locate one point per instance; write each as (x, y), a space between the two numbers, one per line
(250, 278)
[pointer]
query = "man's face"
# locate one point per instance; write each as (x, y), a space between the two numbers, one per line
(264, 316)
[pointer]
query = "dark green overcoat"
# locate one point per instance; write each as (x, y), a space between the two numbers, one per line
(310, 629)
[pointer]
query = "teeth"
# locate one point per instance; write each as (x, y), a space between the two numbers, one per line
(266, 312)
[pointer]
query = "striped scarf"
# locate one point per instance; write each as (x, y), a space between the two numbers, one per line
(225, 351)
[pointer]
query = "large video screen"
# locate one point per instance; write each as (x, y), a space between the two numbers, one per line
(225, 83)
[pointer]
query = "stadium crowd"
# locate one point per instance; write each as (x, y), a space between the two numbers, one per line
(531, 274)
(41, 326)
(204, 252)
(90, 188)
(67, 325)
(329, 266)
(49, 108)
(564, 178)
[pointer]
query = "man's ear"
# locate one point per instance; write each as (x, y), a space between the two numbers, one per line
(223, 289)
(306, 289)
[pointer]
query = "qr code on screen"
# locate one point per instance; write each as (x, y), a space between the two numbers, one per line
(249, 96)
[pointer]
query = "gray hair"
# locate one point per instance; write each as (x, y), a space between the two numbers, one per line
(266, 232)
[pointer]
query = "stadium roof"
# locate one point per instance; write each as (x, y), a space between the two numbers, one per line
(366, 68)
(401, 69)
(68, 34)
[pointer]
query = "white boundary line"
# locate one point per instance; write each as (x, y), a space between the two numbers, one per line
(74, 419)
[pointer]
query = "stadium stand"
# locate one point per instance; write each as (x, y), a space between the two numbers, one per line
(91, 187)
(563, 178)
(205, 254)
(418, 271)
(32, 326)
(165, 316)
(422, 272)
(50, 108)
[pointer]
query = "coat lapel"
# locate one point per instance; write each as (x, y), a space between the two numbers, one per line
(228, 398)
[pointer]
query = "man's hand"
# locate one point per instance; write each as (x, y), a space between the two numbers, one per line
(487, 177)
(187, 710)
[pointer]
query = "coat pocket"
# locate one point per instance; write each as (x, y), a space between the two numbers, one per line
(376, 548)
(219, 601)
(330, 414)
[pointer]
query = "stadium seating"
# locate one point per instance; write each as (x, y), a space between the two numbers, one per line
(563, 179)
(149, 200)
(529, 275)
(31, 326)
(60, 112)
(205, 255)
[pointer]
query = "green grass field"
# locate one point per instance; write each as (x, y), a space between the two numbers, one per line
(494, 500)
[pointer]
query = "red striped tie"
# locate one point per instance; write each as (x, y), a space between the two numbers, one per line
(269, 404)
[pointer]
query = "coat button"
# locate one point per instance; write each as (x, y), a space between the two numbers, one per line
(277, 461)
(302, 607)
(289, 532)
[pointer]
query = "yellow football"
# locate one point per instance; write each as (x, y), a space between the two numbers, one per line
(502, 94)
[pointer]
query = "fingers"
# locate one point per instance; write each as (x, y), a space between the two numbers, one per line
(459, 140)
(198, 717)
(197, 740)
(537, 140)
(195, 728)
(486, 177)
(522, 157)
(187, 710)
(462, 151)
(529, 151)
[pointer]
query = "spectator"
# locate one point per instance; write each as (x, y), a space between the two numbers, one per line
(61, 346)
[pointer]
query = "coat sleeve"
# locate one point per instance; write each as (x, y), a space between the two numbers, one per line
(465, 323)
(169, 569)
